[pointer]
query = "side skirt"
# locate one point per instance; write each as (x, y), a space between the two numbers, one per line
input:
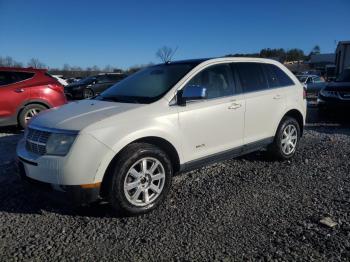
(228, 154)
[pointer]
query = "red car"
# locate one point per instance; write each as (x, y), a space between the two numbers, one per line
(24, 92)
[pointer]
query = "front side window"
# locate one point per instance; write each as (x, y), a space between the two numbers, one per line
(217, 81)
(251, 76)
(147, 85)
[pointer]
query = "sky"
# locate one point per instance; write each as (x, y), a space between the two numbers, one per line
(128, 33)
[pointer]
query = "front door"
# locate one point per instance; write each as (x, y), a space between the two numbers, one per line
(215, 124)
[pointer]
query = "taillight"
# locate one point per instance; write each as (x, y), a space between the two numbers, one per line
(304, 92)
(56, 87)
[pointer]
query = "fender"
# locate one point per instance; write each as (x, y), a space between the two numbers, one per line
(125, 141)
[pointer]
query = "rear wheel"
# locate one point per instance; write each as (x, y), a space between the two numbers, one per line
(286, 140)
(28, 112)
(141, 179)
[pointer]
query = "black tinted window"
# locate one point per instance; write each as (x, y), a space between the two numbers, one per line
(147, 85)
(216, 79)
(251, 76)
(7, 78)
(23, 75)
(276, 77)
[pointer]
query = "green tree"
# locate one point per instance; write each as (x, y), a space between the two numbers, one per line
(295, 54)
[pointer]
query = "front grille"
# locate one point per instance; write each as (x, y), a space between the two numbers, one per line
(344, 95)
(36, 141)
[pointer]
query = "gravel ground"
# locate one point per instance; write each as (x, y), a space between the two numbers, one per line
(248, 208)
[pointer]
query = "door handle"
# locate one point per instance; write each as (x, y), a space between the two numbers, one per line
(277, 97)
(19, 90)
(234, 106)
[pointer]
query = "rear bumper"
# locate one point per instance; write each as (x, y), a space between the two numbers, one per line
(78, 195)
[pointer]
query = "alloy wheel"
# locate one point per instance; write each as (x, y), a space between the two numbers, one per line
(144, 181)
(31, 113)
(289, 139)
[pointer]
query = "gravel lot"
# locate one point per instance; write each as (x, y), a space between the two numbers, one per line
(247, 208)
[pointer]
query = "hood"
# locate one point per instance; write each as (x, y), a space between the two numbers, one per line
(338, 86)
(80, 114)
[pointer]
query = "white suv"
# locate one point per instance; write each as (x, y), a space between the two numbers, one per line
(126, 144)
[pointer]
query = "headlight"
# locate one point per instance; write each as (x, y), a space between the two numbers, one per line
(59, 144)
(329, 93)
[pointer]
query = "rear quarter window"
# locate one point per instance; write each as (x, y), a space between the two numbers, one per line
(276, 77)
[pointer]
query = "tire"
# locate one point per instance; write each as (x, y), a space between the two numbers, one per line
(28, 112)
(283, 147)
(130, 186)
(88, 93)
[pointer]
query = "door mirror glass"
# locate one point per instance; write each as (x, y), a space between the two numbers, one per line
(194, 92)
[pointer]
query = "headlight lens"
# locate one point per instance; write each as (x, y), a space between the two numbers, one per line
(59, 144)
(329, 93)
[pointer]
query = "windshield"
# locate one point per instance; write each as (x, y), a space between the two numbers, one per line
(147, 85)
(87, 80)
(344, 77)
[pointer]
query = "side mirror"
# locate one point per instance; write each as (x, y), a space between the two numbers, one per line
(191, 93)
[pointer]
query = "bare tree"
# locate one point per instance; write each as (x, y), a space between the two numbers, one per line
(108, 68)
(165, 53)
(35, 63)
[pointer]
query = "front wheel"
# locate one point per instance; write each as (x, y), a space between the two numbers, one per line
(286, 139)
(141, 179)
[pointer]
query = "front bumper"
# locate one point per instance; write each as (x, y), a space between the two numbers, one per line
(329, 102)
(72, 94)
(74, 174)
(77, 195)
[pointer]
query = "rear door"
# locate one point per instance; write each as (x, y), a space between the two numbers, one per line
(265, 100)
(13, 92)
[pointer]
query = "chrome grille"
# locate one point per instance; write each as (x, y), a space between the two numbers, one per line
(36, 141)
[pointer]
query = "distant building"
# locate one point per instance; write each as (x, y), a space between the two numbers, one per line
(320, 61)
(342, 60)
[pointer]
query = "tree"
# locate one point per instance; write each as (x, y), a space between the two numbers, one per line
(316, 50)
(35, 63)
(165, 53)
(295, 54)
(276, 53)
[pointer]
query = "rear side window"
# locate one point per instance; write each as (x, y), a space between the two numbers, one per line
(23, 75)
(251, 76)
(7, 78)
(276, 77)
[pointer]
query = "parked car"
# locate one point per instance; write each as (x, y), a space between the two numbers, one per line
(91, 86)
(336, 95)
(60, 79)
(73, 79)
(127, 143)
(24, 92)
(313, 85)
(330, 73)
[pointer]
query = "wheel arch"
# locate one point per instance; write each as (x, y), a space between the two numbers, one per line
(162, 143)
(32, 102)
(298, 116)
